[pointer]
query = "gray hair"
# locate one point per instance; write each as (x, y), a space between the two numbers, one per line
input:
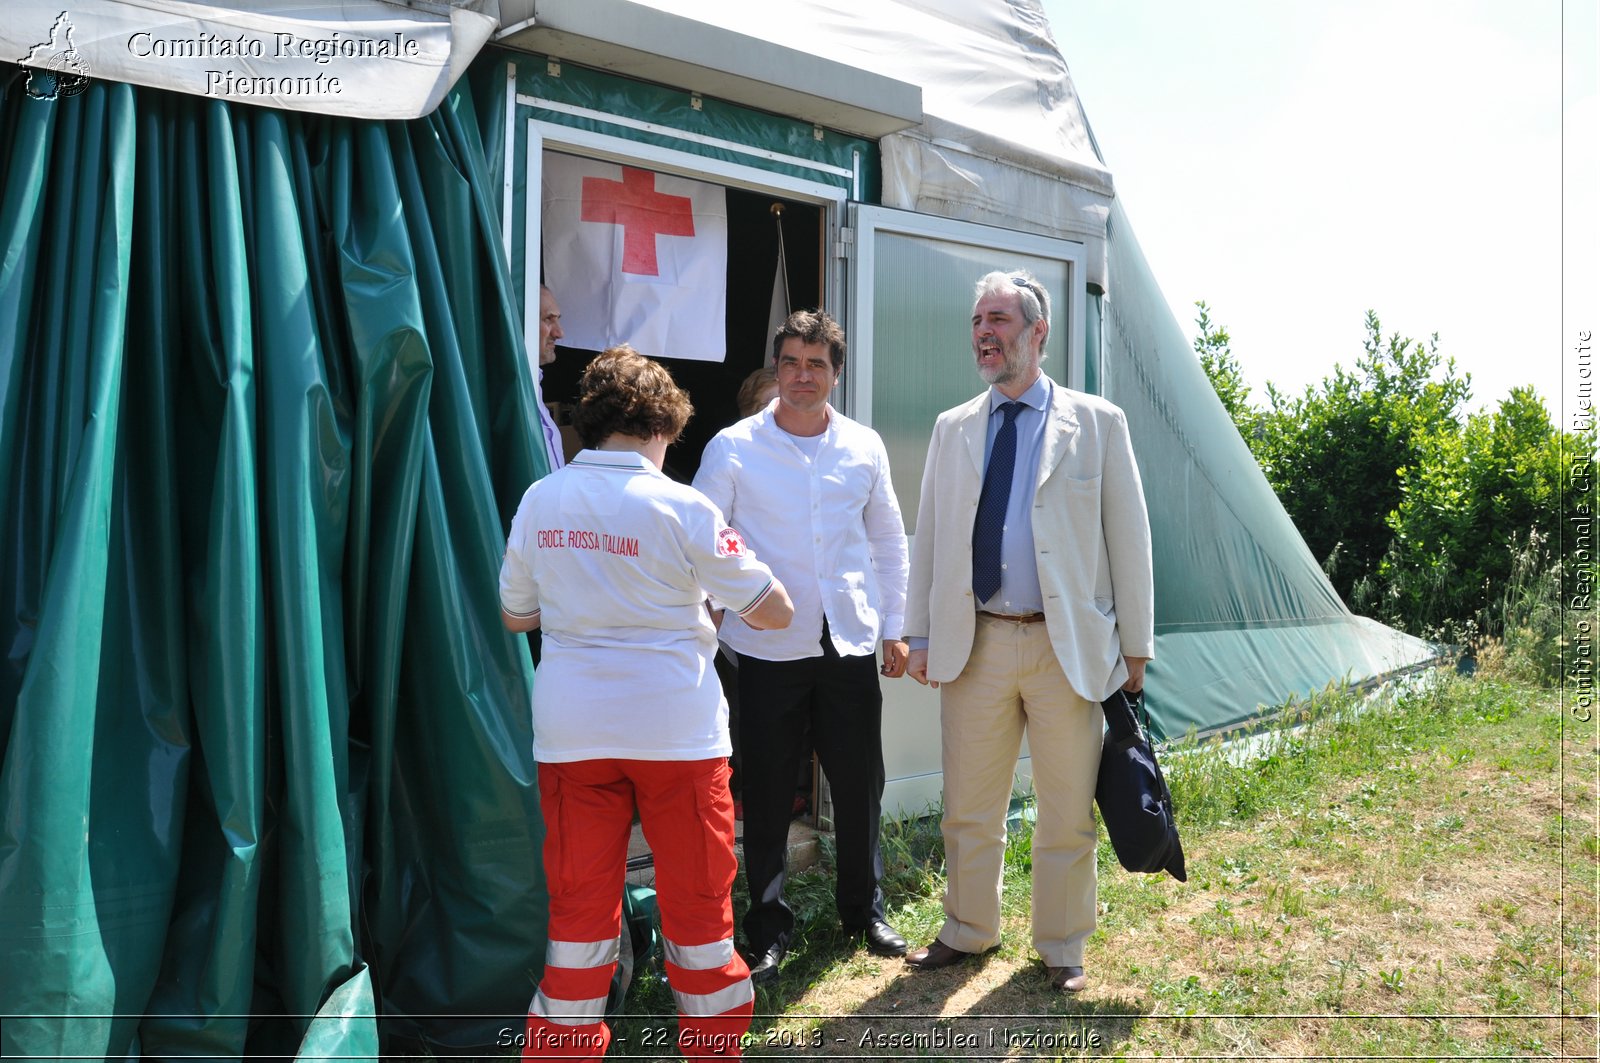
(1035, 300)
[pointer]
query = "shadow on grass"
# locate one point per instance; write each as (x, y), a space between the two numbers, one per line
(902, 1018)
(1025, 1013)
(1021, 1016)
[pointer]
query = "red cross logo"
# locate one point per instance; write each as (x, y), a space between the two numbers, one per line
(730, 543)
(643, 213)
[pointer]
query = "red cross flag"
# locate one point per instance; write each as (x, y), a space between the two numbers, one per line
(636, 257)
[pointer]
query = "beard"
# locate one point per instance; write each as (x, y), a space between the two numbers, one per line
(1012, 365)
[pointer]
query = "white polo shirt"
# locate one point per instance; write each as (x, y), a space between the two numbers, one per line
(827, 522)
(617, 560)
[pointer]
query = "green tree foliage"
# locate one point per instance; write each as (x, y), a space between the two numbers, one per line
(1216, 357)
(1415, 509)
(1479, 491)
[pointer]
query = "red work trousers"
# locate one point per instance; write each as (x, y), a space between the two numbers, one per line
(687, 815)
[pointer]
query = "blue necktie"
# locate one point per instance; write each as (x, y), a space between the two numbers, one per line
(988, 530)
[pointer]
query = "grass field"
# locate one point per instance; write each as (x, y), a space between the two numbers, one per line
(1406, 877)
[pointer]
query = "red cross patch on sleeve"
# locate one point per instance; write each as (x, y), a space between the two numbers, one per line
(730, 543)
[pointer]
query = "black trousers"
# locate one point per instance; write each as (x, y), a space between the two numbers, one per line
(838, 701)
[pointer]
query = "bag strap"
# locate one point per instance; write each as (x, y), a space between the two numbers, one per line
(1121, 710)
(1141, 714)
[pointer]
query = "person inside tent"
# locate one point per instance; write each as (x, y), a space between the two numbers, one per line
(549, 332)
(758, 389)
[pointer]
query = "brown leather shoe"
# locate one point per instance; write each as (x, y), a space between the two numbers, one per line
(935, 955)
(1068, 979)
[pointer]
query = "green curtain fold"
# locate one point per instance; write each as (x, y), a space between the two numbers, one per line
(266, 780)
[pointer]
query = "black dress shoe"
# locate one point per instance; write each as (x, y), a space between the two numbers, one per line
(764, 968)
(936, 954)
(882, 939)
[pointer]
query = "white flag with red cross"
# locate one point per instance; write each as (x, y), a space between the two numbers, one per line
(636, 257)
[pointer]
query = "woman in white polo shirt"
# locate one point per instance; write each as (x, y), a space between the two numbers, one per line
(615, 563)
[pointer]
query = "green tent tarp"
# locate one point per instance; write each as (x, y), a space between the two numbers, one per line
(265, 746)
(1245, 617)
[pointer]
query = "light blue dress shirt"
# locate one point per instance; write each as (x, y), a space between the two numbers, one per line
(552, 434)
(1019, 570)
(1019, 591)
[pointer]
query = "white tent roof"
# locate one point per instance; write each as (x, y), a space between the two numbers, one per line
(986, 68)
(1001, 138)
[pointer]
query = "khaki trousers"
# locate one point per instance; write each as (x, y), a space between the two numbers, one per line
(1013, 683)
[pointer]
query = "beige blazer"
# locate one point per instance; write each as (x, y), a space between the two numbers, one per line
(1091, 536)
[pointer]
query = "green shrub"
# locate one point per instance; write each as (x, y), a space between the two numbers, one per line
(1437, 522)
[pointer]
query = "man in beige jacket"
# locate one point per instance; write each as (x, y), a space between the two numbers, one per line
(1031, 600)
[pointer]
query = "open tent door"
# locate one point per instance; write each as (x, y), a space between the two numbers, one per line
(752, 255)
(910, 284)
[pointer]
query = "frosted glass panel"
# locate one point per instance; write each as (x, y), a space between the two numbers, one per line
(922, 340)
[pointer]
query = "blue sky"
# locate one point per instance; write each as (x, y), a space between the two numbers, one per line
(1297, 163)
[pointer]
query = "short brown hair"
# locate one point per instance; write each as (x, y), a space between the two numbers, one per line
(811, 326)
(754, 384)
(623, 391)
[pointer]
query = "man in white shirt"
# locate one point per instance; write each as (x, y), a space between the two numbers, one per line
(810, 490)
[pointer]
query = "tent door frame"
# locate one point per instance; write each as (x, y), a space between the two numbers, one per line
(912, 767)
(866, 221)
(543, 135)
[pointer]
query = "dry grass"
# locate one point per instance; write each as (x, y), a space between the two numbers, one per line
(1425, 890)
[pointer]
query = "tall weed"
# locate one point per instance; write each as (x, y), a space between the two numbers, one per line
(1528, 621)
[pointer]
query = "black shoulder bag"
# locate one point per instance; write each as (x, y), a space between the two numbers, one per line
(1133, 797)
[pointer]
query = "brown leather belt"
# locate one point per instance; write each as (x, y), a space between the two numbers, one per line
(1022, 618)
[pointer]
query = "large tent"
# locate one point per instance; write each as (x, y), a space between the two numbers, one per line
(266, 409)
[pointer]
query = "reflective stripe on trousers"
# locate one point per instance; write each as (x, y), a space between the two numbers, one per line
(708, 979)
(687, 815)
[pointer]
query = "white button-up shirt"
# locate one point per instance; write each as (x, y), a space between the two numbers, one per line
(829, 527)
